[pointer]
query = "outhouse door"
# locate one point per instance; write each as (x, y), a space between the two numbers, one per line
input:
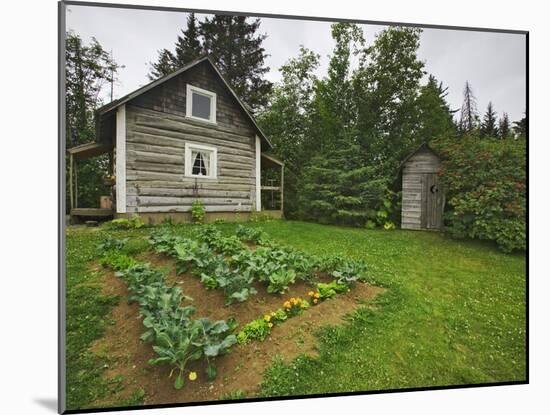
(433, 200)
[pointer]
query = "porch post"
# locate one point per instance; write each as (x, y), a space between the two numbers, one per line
(75, 169)
(258, 175)
(71, 195)
(282, 186)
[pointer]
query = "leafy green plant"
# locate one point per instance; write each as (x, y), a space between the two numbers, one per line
(330, 290)
(279, 280)
(348, 272)
(110, 243)
(135, 222)
(254, 235)
(255, 330)
(198, 211)
(116, 260)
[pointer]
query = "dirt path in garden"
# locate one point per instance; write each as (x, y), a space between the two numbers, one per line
(242, 369)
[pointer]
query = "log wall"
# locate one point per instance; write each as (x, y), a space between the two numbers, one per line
(157, 131)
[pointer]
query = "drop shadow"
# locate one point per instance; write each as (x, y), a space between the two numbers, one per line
(48, 403)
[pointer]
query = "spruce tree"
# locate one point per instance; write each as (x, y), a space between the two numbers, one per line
(489, 125)
(504, 130)
(468, 114)
(236, 48)
(165, 64)
(520, 128)
(435, 118)
(188, 47)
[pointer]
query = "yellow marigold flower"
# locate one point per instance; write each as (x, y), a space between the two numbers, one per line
(310, 293)
(315, 301)
(316, 295)
(192, 375)
(267, 317)
(273, 314)
(287, 304)
(269, 325)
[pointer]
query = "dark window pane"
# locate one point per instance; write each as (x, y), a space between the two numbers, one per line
(201, 106)
(199, 167)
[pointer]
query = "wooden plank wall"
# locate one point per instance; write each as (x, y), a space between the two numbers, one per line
(157, 131)
(413, 196)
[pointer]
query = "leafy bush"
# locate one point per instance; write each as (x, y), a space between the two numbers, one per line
(198, 211)
(485, 186)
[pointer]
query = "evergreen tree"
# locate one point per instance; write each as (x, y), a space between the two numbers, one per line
(469, 116)
(237, 50)
(334, 107)
(489, 125)
(166, 64)
(339, 189)
(287, 121)
(188, 47)
(504, 130)
(386, 87)
(520, 128)
(435, 118)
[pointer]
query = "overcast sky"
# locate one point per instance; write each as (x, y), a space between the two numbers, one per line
(493, 63)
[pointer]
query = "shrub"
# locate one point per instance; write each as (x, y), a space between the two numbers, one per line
(198, 211)
(485, 185)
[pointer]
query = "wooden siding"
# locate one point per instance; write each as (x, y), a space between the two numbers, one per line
(170, 98)
(155, 157)
(415, 172)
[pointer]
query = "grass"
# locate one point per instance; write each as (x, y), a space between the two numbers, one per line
(87, 314)
(453, 313)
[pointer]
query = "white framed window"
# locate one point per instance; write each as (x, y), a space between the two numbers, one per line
(201, 161)
(200, 104)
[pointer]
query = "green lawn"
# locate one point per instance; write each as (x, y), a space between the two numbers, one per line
(452, 313)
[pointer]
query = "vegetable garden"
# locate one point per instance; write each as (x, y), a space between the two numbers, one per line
(238, 267)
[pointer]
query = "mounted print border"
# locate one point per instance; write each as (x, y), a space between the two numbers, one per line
(231, 232)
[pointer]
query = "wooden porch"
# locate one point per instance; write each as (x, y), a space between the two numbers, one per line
(273, 173)
(84, 152)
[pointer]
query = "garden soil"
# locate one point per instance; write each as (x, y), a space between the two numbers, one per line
(240, 370)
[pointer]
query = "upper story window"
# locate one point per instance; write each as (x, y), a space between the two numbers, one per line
(201, 161)
(201, 104)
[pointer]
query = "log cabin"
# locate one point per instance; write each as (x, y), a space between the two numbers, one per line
(184, 137)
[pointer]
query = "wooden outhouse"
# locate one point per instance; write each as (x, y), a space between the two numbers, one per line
(184, 137)
(423, 199)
